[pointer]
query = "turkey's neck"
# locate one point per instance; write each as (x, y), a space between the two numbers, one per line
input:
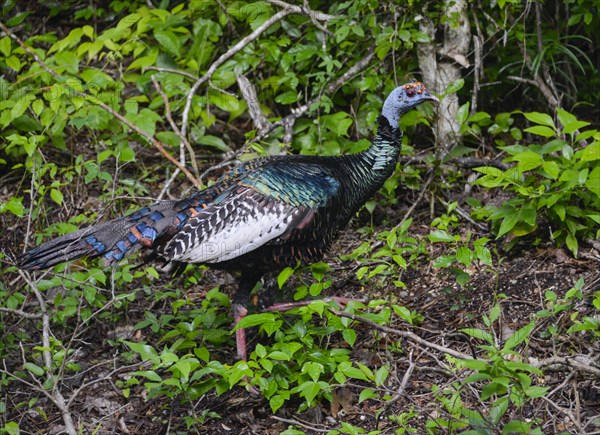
(369, 169)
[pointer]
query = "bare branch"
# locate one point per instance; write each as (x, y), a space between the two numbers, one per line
(21, 313)
(249, 95)
(57, 396)
(406, 334)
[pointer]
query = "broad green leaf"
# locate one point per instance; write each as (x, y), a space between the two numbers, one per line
(518, 337)
(284, 275)
(569, 122)
(528, 160)
(572, 243)
(541, 119)
(593, 181)
(455, 87)
(541, 130)
(34, 368)
(213, 141)
(551, 168)
(463, 113)
(464, 255)
(256, 319)
(441, 236)
(349, 336)
(591, 152)
(479, 333)
(508, 224)
(5, 46)
(314, 370)
(169, 41)
(146, 352)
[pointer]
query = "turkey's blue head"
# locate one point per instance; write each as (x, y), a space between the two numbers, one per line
(404, 98)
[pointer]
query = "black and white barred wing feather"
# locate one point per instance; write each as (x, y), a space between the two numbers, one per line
(257, 210)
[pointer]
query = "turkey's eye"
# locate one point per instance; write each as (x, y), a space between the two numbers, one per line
(410, 93)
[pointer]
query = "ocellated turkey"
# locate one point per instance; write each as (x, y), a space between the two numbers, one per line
(262, 216)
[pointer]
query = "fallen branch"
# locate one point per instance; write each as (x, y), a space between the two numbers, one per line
(406, 334)
(582, 363)
(298, 423)
(21, 313)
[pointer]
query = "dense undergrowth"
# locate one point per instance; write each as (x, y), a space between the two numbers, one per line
(100, 113)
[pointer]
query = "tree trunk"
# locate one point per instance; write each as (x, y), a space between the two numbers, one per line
(442, 66)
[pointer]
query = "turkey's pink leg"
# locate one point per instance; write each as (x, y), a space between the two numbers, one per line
(239, 312)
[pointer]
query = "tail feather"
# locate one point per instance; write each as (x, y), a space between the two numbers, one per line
(149, 228)
(112, 240)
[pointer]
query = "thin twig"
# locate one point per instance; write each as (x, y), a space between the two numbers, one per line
(296, 422)
(183, 142)
(21, 313)
(563, 411)
(406, 334)
(173, 71)
(58, 398)
(401, 390)
(249, 94)
(582, 363)
(419, 198)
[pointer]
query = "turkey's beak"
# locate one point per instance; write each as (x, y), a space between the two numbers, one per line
(430, 97)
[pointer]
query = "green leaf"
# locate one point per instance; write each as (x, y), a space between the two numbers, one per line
(5, 46)
(213, 141)
(455, 87)
(365, 394)
(591, 152)
(464, 255)
(551, 168)
(338, 123)
(256, 319)
(508, 224)
(536, 391)
(541, 130)
(34, 368)
(314, 370)
(593, 181)
(569, 122)
(541, 119)
(479, 333)
(309, 390)
(276, 402)
(284, 275)
(56, 196)
(349, 336)
(518, 337)
(146, 352)
(13, 205)
(463, 113)
(169, 41)
(572, 244)
(441, 236)
(353, 372)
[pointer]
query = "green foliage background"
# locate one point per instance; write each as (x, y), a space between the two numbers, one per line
(67, 69)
